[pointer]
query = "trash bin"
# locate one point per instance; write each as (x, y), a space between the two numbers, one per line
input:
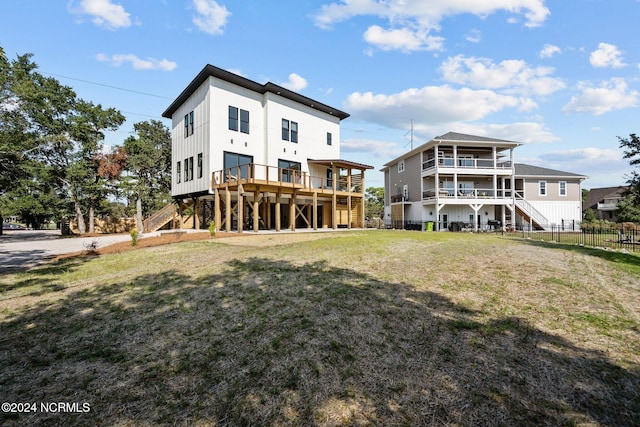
(428, 226)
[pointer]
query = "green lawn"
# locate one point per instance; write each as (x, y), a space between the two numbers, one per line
(347, 328)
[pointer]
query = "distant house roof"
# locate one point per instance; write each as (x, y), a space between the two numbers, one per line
(597, 195)
(457, 138)
(523, 170)
(212, 71)
(461, 137)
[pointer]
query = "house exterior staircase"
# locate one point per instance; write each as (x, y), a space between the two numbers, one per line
(531, 214)
(160, 218)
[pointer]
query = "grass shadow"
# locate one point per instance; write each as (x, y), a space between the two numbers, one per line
(271, 342)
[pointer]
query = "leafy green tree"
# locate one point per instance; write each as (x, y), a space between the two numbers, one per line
(629, 207)
(374, 202)
(149, 167)
(589, 216)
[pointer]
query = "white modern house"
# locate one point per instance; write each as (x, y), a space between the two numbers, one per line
(457, 181)
(259, 156)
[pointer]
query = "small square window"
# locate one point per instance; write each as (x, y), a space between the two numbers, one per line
(542, 188)
(563, 188)
(401, 166)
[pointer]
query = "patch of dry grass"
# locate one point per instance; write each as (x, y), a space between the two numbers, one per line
(354, 328)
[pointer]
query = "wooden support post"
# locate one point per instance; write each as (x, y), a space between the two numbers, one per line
(216, 207)
(256, 210)
(267, 210)
(292, 212)
(334, 199)
(180, 213)
(196, 213)
(349, 211)
(362, 204)
(278, 219)
(314, 213)
(240, 209)
(227, 209)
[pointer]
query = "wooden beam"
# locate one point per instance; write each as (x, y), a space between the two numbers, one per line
(240, 208)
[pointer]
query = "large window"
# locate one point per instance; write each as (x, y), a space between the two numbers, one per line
(290, 171)
(236, 166)
(188, 169)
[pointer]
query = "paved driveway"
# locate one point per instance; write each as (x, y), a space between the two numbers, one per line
(27, 248)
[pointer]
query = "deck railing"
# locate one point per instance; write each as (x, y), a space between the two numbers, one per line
(465, 163)
(466, 193)
(272, 175)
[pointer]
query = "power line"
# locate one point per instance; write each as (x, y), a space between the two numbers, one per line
(108, 86)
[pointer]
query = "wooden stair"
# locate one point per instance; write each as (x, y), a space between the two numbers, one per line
(160, 218)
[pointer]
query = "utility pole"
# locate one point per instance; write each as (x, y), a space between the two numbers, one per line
(410, 132)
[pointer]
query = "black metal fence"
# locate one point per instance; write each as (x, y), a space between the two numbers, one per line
(610, 237)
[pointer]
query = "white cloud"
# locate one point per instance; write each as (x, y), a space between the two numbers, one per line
(403, 39)
(610, 95)
(295, 83)
(412, 21)
(436, 104)
(137, 63)
(606, 56)
(512, 76)
(104, 13)
(549, 50)
(474, 36)
(211, 17)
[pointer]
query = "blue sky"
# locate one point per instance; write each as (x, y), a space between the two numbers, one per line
(561, 76)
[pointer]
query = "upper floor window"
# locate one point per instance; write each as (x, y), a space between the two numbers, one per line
(188, 124)
(401, 166)
(562, 188)
(329, 138)
(199, 165)
(238, 116)
(178, 173)
(542, 188)
(233, 118)
(289, 130)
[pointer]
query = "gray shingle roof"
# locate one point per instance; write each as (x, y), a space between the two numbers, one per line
(454, 136)
(530, 170)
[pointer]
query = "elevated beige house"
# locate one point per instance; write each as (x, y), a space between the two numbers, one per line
(457, 181)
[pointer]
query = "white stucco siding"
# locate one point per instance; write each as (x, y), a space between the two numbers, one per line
(224, 95)
(184, 147)
(313, 126)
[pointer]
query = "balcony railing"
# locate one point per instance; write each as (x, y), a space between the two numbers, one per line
(464, 163)
(254, 173)
(466, 193)
(607, 206)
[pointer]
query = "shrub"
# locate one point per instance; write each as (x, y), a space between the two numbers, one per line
(134, 237)
(212, 228)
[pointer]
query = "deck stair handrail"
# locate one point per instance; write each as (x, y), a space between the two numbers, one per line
(532, 212)
(160, 218)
